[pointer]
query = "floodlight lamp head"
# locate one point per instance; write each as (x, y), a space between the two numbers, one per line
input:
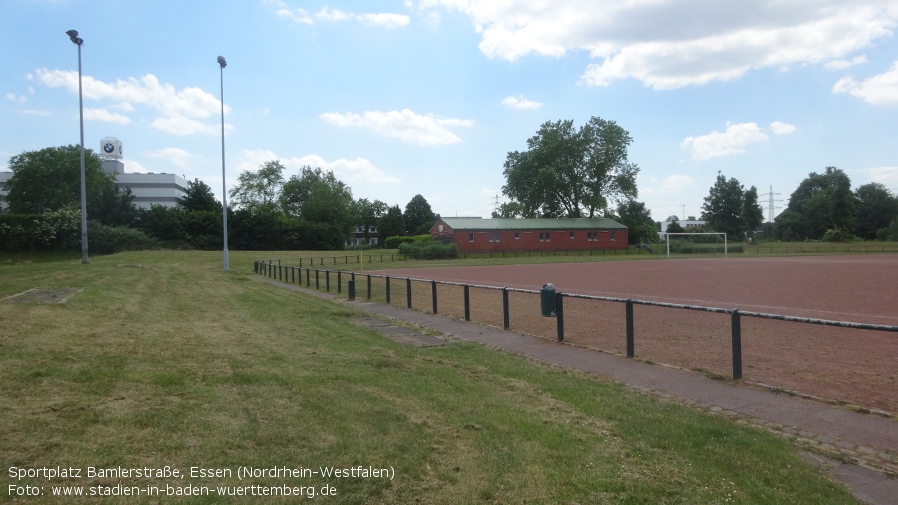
(73, 35)
(222, 62)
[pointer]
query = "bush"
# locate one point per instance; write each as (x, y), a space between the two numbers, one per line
(680, 246)
(103, 239)
(59, 230)
(395, 241)
(839, 236)
(429, 250)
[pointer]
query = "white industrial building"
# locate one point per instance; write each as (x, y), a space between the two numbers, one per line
(687, 224)
(148, 189)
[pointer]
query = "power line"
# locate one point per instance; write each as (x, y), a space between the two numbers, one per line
(771, 206)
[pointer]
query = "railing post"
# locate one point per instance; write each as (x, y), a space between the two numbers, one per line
(339, 281)
(505, 315)
(327, 280)
(388, 289)
(631, 345)
(737, 344)
(433, 291)
(467, 302)
(369, 286)
(308, 278)
(559, 315)
(317, 279)
(408, 292)
(351, 287)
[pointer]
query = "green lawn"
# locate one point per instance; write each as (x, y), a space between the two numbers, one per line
(163, 361)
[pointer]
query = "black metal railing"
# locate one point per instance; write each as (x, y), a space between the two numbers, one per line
(291, 273)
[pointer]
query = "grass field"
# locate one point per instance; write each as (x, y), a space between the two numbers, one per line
(164, 361)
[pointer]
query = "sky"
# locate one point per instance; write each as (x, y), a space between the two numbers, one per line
(400, 98)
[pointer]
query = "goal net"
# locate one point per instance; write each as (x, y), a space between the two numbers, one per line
(697, 243)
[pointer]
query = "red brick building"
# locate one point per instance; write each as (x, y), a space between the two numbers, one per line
(474, 234)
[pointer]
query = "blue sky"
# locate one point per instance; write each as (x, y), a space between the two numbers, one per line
(427, 97)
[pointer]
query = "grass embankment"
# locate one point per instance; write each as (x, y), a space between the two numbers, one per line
(164, 360)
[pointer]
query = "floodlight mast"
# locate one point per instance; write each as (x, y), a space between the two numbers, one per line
(78, 41)
(224, 192)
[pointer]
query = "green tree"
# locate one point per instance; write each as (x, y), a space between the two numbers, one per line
(725, 207)
(821, 202)
(674, 226)
(571, 173)
(50, 179)
(638, 220)
(752, 215)
(391, 224)
(512, 210)
(199, 197)
(418, 216)
(876, 208)
(367, 215)
(317, 196)
(260, 189)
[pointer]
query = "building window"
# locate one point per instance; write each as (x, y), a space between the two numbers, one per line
(592, 236)
(495, 237)
(517, 236)
(613, 238)
(470, 237)
(572, 235)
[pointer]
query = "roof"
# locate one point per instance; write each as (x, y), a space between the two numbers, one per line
(572, 223)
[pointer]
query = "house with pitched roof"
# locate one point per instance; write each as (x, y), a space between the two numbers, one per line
(475, 234)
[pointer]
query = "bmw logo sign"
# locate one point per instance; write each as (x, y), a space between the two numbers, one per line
(108, 147)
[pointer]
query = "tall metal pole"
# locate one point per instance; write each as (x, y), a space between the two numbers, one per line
(224, 192)
(73, 35)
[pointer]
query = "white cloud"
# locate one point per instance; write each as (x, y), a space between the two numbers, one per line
(18, 99)
(174, 155)
(519, 102)
(880, 90)
(708, 41)
(671, 184)
(182, 126)
(733, 141)
(147, 90)
(298, 15)
(887, 176)
(782, 128)
(358, 170)
(405, 125)
(180, 109)
(133, 167)
(34, 112)
(385, 20)
(843, 64)
(105, 115)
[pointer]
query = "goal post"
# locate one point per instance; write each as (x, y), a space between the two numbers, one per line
(719, 234)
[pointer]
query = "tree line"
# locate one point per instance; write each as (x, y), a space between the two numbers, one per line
(310, 210)
(585, 172)
(823, 207)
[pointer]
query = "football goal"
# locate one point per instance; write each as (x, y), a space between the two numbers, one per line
(697, 243)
